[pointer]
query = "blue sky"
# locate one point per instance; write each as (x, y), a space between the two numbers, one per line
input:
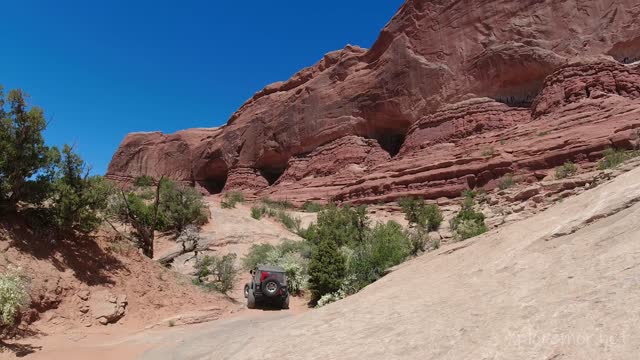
(101, 69)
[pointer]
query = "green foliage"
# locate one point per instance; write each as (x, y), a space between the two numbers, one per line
(77, 200)
(312, 207)
(55, 186)
(506, 182)
(326, 269)
(144, 181)
(217, 273)
(25, 161)
(290, 222)
(180, 206)
(387, 246)
(257, 212)
(166, 207)
(427, 217)
(343, 226)
(331, 298)
(612, 158)
(277, 204)
(231, 199)
(468, 222)
(257, 255)
(418, 239)
(566, 170)
(14, 295)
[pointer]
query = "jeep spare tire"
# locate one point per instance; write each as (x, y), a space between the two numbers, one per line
(270, 287)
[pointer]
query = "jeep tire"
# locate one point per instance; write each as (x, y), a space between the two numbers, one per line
(285, 303)
(270, 287)
(251, 300)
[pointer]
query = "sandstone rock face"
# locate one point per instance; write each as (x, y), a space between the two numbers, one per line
(106, 307)
(452, 95)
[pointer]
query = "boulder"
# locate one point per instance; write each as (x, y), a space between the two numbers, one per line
(108, 308)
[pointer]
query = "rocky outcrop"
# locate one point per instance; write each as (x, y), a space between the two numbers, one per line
(445, 82)
(106, 307)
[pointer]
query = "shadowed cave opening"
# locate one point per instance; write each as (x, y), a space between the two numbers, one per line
(214, 185)
(271, 174)
(391, 142)
(213, 178)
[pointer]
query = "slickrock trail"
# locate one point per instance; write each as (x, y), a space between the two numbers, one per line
(563, 284)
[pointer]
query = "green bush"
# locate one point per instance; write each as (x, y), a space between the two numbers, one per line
(14, 295)
(312, 207)
(566, 170)
(257, 212)
(612, 158)
(326, 269)
(331, 298)
(290, 222)
(217, 273)
(231, 199)
(418, 239)
(26, 163)
(427, 217)
(387, 246)
(468, 222)
(144, 181)
(277, 204)
(343, 226)
(506, 182)
(257, 255)
(180, 206)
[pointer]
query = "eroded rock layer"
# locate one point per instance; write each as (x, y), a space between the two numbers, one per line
(452, 95)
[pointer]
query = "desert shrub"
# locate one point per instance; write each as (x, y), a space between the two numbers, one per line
(290, 222)
(26, 163)
(165, 207)
(277, 204)
(418, 239)
(231, 199)
(327, 269)
(566, 170)
(343, 226)
(506, 182)
(14, 295)
(387, 245)
(312, 207)
(331, 298)
(257, 212)
(418, 213)
(180, 206)
(217, 273)
(614, 157)
(468, 222)
(257, 255)
(144, 181)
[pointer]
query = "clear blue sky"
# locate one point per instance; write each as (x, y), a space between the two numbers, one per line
(101, 69)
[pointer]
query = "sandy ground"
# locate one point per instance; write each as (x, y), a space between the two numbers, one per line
(564, 284)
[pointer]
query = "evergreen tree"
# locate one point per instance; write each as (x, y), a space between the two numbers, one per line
(326, 269)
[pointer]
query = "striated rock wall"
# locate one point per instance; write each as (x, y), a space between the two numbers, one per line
(444, 79)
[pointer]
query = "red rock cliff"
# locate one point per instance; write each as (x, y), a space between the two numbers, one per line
(444, 79)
